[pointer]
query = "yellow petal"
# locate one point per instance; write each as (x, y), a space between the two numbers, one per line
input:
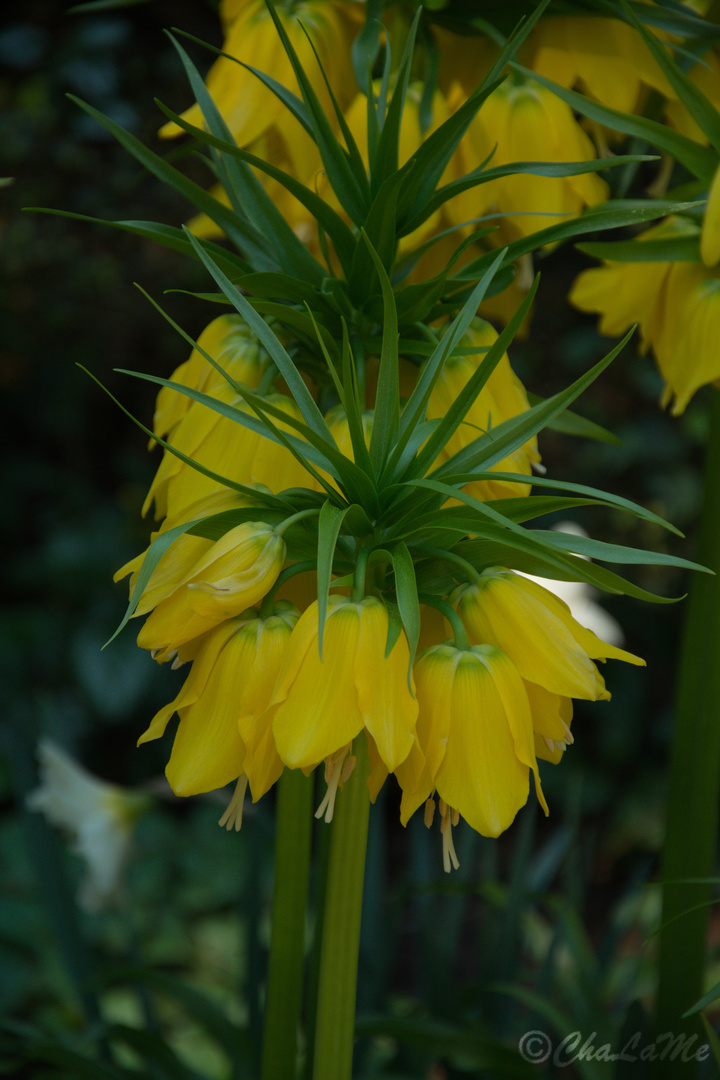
(480, 774)
(315, 708)
(388, 708)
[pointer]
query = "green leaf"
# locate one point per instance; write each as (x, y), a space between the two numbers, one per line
(320, 210)
(77, 1066)
(244, 235)
(350, 187)
(366, 45)
(413, 413)
(700, 108)
(385, 163)
(380, 233)
(482, 175)
(303, 398)
(354, 408)
(595, 494)
(597, 219)
(701, 161)
(235, 1041)
(479, 1052)
(616, 553)
(432, 156)
(329, 522)
(407, 599)
(243, 186)
(166, 235)
(571, 423)
(669, 249)
(153, 1050)
(387, 407)
(464, 400)
(492, 447)
(497, 527)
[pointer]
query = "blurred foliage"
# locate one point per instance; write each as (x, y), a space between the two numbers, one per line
(555, 905)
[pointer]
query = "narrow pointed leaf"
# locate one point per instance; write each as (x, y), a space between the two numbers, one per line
(167, 235)
(244, 235)
(701, 161)
(290, 252)
(351, 190)
(387, 407)
(464, 400)
(530, 168)
(312, 415)
(320, 210)
(329, 523)
(697, 104)
(407, 599)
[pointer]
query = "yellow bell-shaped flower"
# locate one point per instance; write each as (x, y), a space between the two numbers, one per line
(320, 705)
(526, 122)
(231, 342)
(233, 574)
(537, 631)
(676, 304)
(604, 58)
(228, 449)
(183, 553)
(475, 732)
(219, 736)
(246, 104)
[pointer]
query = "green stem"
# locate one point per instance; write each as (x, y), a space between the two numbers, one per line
(280, 529)
(358, 592)
(287, 946)
(451, 556)
(335, 1028)
(691, 831)
(458, 627)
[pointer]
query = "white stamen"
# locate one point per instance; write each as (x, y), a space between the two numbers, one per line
(449, 818)
(232, 818)
(550, 743)
(335, 773)
(569, 737)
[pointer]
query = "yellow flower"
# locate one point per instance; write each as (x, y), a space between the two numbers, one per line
(182, 554)
(526, 122)
(233, 574)
(231, 342)
(475, 731)
(220, 737)
(710, 235)
(320, 705)
(227, 448)
(502, 398)
(537, 631)
(676, 304)
(248, 107)
(706, 76)
(604, 58)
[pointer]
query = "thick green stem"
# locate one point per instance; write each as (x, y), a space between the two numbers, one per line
(287, 945)
(334, 1032)
(691, 832)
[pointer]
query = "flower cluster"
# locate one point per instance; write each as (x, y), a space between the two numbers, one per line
(348, 458)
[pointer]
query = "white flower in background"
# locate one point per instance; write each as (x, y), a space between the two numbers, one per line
(579, 597)
(98, 816)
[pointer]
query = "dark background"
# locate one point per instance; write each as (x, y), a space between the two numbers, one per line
(74, 474)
